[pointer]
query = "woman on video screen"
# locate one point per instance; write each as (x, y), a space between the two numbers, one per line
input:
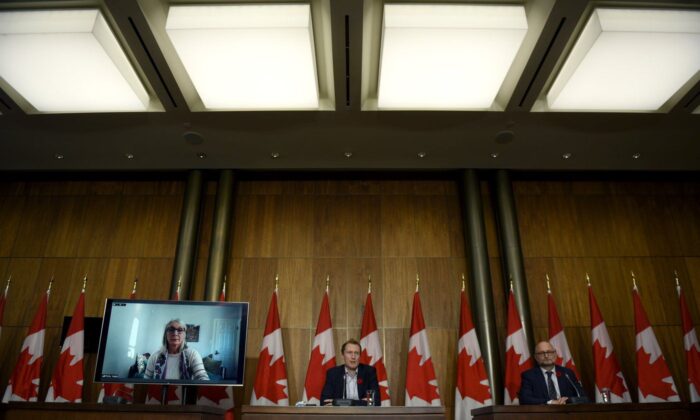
(175, 360)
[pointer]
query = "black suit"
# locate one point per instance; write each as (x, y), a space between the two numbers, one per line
(533, 386)
(335, 383)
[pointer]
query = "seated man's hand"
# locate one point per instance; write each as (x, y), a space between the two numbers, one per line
(558, 401)
(328, 402)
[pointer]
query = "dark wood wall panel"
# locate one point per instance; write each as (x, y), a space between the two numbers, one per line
(113, 231)
(608, 229)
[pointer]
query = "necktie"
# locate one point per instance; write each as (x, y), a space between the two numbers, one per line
(550, 387)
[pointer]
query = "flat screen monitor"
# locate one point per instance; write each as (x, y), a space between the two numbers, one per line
(132, 350)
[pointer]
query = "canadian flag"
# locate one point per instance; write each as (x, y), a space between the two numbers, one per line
(654, 380)
(692, 348)
(372, 354)
(3, 299)
(24, 382)
(557, 338)
(421, 382)
(472, 390)
(217, 396)
(270, 387)
(173, 394)
(518, 357)
(607, 369)
(126, 391)
(322, 355)
(67, 381)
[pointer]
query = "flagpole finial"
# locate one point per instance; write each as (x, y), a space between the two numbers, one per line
(546, 276)
(369, 283)
(417, 281)
(328, 282)
(634, 280)
(511, 285)
(223, 286)
(133, 288)
(84, 282)
(463, 282)
(48, 291)
(675, 275)
(7, 284)
(277, 282)
(588, 280)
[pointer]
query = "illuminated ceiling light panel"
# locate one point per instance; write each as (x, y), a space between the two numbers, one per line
(245, 57)
(67, 61)
(628, 60)
(447, 56)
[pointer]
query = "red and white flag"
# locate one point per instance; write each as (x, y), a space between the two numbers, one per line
(125, 391)
(608, 374)
(518, 357)
(557, 338)
(154, 393)
(421, 382)
(217, 396)
(654, 380)
(472, 389)
(3, 299)
(270, 387)
(322, 355)
(24, 382)
(372, 354)
(692, 348)
(67, 381)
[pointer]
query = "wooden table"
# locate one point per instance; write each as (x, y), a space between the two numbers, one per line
(342, 413)
(634, 411)
(92, 411)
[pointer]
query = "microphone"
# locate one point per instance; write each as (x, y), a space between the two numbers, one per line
(345, 384)
(579, 398)
(578, 394)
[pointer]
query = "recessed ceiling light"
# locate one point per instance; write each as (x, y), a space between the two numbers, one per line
(447, 56)
(67, 61)
(628, 60)
(348, 154)
(256, 57)
(202, 155)
(274, 155)
(422, 155)
(59, 156)
(636, 155)
(494, 155)
(566, 156)
(129, 155)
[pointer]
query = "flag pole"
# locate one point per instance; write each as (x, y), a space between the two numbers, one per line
(223, 286)
(369, 283)
(588, 280)
(634, 280)
(84, 283)
(463, 281)
(675, 275)
(328, 282)
(417, 282)
(48, 291)
(7, 285)
(549, 289)
(277, 282)
(133, 289)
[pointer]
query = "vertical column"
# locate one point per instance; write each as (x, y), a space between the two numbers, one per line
(480, 284)
(183, 268)
(221, 235)
(512, 253)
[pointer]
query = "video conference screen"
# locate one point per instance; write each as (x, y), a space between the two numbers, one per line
(170, 342)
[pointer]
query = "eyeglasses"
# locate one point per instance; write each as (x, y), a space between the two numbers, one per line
(546, 353)
(173, 330)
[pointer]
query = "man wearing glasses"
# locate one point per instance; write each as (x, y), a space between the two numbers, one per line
(548, 383)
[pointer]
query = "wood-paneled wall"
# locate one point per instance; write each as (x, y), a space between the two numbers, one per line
(112, 230)
(392, 227)
(607, 229)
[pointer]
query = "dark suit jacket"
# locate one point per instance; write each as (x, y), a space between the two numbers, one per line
(533, 387)
(335, 385)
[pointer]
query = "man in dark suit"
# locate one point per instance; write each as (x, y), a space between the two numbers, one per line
(352, 379)
(548, 383)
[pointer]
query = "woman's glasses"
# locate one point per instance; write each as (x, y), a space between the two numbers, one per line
(173, 330)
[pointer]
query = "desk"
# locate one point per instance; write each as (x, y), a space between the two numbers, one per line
(626, 411)
(92, 411)
(342, 413)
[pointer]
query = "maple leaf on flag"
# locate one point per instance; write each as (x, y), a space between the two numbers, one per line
(417, 388)
(607, 378)
(477, 391)
(267, 382)
(655, 380)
